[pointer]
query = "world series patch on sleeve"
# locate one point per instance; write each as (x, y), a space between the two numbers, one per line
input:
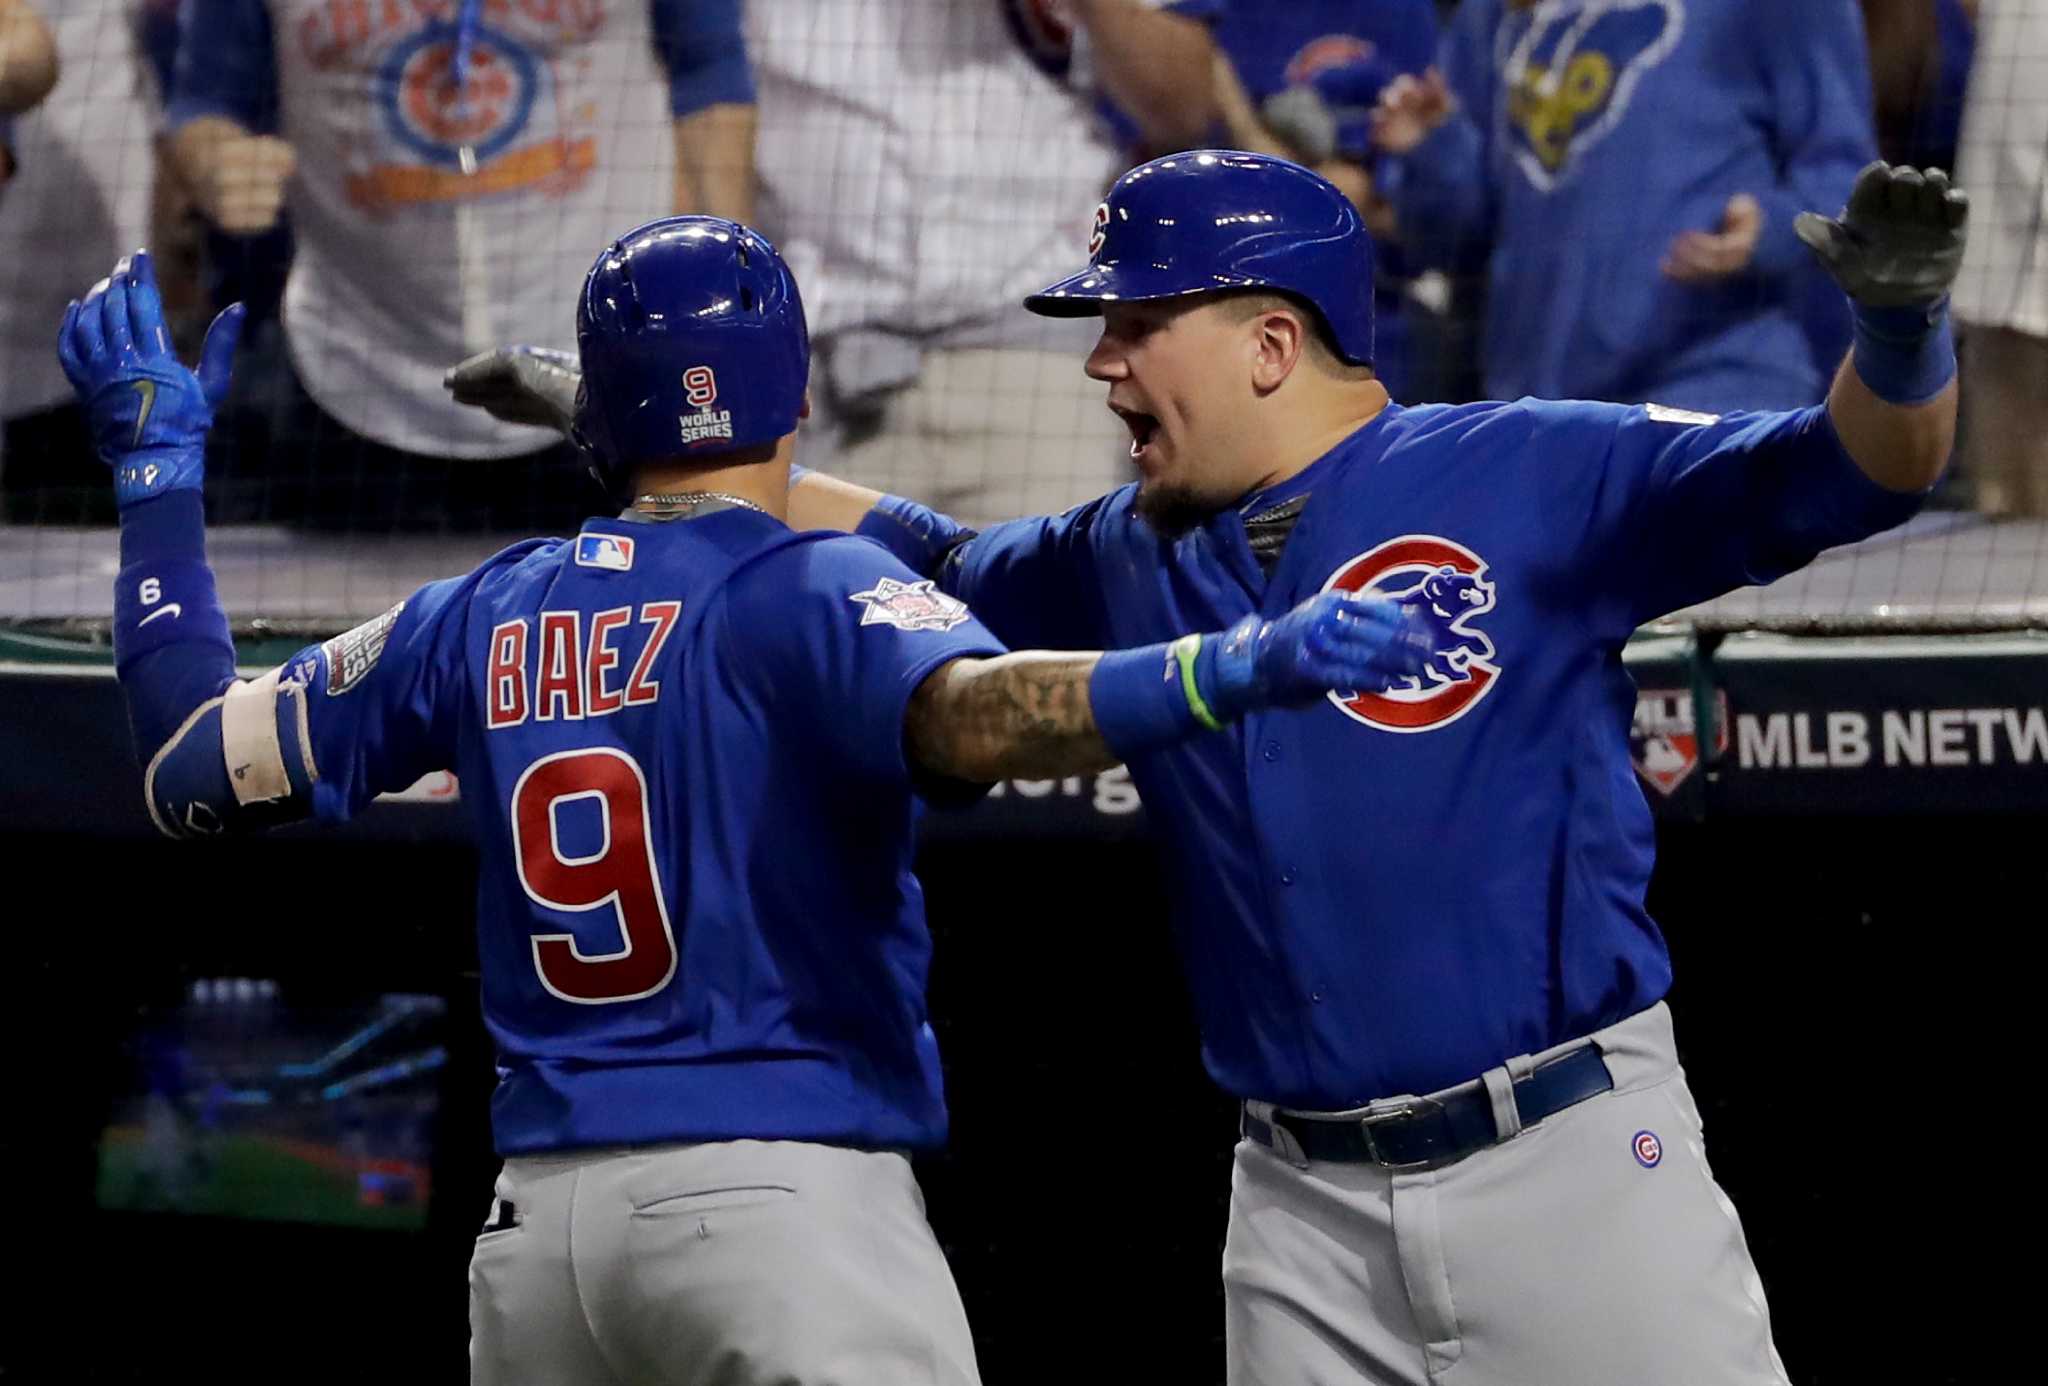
(909, 606)
(354, 653)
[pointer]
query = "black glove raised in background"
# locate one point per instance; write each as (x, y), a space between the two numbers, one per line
(1899, 242)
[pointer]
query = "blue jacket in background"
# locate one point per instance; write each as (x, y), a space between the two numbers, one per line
(1591, 134)
(1347, 50)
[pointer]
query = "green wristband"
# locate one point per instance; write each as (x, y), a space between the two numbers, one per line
(1184, 651)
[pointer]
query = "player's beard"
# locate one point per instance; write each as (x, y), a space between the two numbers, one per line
(1171, 510)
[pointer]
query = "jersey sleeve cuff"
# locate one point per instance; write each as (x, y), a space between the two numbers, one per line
(725, 82)
(901, 768)
(185, 109)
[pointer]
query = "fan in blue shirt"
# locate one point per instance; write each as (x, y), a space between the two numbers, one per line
(1627, 173)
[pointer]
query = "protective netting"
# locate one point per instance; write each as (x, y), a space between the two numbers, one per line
(393, 185)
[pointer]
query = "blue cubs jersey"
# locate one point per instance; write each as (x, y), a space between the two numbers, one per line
(1403, 886)
(681, 745)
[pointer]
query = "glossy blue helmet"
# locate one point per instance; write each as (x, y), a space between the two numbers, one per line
(1215, 219)
(693, 342)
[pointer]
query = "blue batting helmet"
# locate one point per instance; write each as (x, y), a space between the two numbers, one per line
(693, 341)
(1215, 219)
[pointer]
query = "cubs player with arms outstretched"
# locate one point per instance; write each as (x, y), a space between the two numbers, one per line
(1412, 915)
(691, 740)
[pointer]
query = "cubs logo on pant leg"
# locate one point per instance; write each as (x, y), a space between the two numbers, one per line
(1443, 585)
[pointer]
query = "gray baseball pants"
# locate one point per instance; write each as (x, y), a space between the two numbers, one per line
(1574, 1253)
(725, 1264)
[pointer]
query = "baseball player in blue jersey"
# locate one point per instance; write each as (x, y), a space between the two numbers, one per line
(691, 741)
(1412, 915)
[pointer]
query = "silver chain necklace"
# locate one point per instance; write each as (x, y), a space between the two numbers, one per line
(689, 500)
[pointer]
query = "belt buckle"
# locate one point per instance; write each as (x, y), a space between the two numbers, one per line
(1408, 1108)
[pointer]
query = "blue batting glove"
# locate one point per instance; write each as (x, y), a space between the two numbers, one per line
(148, 413)
(1332, 640)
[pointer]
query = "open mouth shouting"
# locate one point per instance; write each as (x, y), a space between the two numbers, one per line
(1144, 430)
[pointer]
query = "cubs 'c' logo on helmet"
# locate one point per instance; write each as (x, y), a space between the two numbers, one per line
(1443, 586)
(1098, 231)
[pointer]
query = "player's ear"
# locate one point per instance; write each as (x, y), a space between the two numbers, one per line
(1278, 341)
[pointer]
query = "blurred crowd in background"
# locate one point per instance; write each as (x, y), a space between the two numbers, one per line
(1572, 199)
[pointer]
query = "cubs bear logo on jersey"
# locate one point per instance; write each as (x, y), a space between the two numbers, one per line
(1569, 72)
(1443, 587)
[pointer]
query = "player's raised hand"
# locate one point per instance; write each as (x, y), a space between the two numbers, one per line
(1410, 110)
(147, 411)
(1334, 640)
(1899, 242)
(520, 385)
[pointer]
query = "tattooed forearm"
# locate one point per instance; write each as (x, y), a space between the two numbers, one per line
(1023, 716)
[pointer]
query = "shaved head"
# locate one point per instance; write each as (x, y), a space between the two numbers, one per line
(1244, 305)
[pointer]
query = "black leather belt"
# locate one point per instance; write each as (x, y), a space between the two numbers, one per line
(1434, 1131)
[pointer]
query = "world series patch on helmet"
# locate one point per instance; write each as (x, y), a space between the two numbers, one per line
(693, 342)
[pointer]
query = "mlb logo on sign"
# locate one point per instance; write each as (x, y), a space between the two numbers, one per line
(1663, 739)
(604, 551)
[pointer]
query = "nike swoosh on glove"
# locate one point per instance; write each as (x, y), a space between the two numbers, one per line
(147, 412)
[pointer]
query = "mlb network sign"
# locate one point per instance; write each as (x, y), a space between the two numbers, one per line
(1950, 737)
(1883, 727)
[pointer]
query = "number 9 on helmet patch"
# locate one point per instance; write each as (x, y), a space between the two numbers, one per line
(700, 387)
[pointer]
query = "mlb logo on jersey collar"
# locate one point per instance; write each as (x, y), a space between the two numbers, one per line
(613, 551)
